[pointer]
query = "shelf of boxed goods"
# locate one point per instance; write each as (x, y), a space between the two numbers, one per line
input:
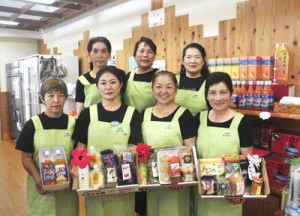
(293, 116)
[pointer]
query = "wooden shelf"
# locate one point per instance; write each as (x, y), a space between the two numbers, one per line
(273, 114)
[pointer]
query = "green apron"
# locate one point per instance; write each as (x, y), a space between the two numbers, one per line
(91, 92)
(138, 94)
(213, 142)
(103, 135)
(165, 202)
(58, 203)
(192, 100)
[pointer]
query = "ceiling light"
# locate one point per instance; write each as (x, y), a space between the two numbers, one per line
(8, 22)
(42, 1)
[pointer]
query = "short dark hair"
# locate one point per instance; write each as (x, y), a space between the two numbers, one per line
(165, 73)
(53, 84)
(101, 40)
(120, 74)
(204, 70)
(218, 77)
(147, 41)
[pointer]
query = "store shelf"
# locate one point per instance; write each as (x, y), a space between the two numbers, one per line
(273, 114)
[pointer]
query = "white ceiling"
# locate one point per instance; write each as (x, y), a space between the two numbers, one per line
(33, 16)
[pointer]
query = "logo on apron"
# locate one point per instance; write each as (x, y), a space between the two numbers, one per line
(195, 96)
(67, 134)
(168, 127)
(226, 134)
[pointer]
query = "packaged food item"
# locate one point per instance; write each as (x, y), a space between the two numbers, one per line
(257, 184)
(237, 184)
(282, 63)
(175, 169)
(48, 169)
(111, 176)
(60, 168)
(97, 177)
(95, 157)
(243, 68)
(165, 169)
(209, 185)
(153, 169)
(235, 68)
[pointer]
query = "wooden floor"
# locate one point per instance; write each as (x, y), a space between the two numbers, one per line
(12, 181)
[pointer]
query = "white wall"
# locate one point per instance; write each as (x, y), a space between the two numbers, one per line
(114, 21)
(12, 49)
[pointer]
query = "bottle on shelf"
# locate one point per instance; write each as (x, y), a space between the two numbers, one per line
(250, 96)
(97, 177)
(175, 169)
(258, 95)
(271, 95)
(242, 95)
(265, 102)
(95, 157)
(234, 97)
(60, 168)
(48, 170)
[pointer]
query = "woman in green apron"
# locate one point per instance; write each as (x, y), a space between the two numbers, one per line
(191, 80)
(51, 128)
(138, 88)
(221, 131)
(104, 126)
(99, 51)
(165, 125)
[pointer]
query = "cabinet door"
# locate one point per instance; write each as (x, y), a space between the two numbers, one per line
(261, 207)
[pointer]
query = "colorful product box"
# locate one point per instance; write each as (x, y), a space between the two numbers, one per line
(235, 68)
(212, 65)
(227, 66)
(220, 64)
(285, 144)
(278, 166)
(254, 67)
(267, 67)
(244, 68)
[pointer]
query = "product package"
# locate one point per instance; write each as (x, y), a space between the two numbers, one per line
(233, 176)
(54, 168)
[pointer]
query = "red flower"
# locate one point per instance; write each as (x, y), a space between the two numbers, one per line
(144, 151)
(80, 158)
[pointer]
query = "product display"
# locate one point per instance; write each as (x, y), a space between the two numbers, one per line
(233, 175)
(53, 168)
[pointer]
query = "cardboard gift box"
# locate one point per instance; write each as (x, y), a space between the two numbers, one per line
(278, 166)
(52, 150)
(286, 144)
(210, 185)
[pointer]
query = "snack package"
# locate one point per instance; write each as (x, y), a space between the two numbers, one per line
(209, 185)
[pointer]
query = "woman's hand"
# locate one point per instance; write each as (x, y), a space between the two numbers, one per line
(38, 186)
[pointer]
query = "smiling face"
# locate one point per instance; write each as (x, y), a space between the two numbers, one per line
(54, 102)
(219, 96)
(164, 89)
(99, 55)
(144, 56)
(109, 86)
(193, 62)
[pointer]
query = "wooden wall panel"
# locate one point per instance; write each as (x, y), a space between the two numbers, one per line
(42, 47)
(258, 25)
(82, 53)
(55, 51)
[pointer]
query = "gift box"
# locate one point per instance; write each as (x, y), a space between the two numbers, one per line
(286, 144)
(278, 166)
(220, 179)
(48, 170)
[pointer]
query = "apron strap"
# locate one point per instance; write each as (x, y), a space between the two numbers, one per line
(236, 120)
(131, 75)
(83, 80)
(147, 114)
(203, 118)
(71, 122)
(128, 114)
(94, 113)
(178, 78)
(37, 123)
(178, 113)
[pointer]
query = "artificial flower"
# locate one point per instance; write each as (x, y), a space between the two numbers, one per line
(80, 158)
(144, 152)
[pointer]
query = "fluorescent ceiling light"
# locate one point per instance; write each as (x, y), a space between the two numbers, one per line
(8, 22)
(42, 1)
